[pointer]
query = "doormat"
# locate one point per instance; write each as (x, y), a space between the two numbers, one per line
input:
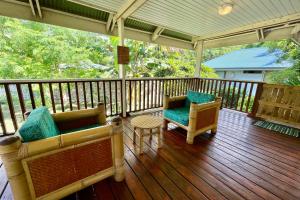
(278, 128)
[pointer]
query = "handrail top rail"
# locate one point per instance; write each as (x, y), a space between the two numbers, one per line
(73, 80)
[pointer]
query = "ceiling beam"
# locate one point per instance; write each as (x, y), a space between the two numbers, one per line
(129, 7)
(157, 33)
(252, 27)
(109, 22)
(22, 10)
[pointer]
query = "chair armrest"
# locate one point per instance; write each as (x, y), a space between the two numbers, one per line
(79, 118)
(204, 115)
(174, 102)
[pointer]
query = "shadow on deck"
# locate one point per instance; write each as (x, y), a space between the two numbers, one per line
(240, 162)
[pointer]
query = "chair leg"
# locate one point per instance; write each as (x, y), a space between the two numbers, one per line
(141, 140)
(165, 124)
(214, 130)
(190, 138)
(134, 134)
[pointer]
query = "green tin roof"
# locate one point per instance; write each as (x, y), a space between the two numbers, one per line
(84, 11)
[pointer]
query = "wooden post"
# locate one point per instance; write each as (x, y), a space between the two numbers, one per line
(258, 93)
(102, 114)
(199, 53)
(9, 148)
(118, 149)
(122, 72)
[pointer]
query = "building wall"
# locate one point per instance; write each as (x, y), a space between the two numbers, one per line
(240, 75)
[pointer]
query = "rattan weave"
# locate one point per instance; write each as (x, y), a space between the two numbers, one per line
(51, 172)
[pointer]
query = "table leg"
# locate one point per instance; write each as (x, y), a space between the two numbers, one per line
(134, 134)
(158, 137)
(150, 133)
(141, 140)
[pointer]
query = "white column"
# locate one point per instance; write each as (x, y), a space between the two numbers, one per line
(199, 52)
(122, 72)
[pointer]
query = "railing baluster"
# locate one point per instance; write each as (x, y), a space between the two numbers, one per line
(249, 97)
(216, 87)
(121, 89)
(110, 98)
(228, 94)
(2, 121)
(98, 91)
(148, 95)
(204, 85)
(140, 95)
(238, 96)
(244, 94)
(77, 96)
(42, 94)
(135, 95)
(116, 97)
(212, 86)
(11, 106)
(84, 95)
(152, 93)
(104, 95)
(223, 92)
(91, 92)
(233, 93)
(130, 96)
(21, 99)
(70, 96)
(61, 98)
(31, 95)
(52, 98)
(144, 95)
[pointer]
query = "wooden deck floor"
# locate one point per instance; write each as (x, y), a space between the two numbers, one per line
(240, 162)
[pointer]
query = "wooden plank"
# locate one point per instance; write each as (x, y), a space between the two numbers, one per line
(52, 98)
(21, 99)
(11, 106)
(31, 95)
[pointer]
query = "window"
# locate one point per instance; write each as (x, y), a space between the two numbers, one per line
(252, 72)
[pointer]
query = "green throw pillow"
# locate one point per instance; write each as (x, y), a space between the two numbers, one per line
(198, 98)
(39, 125)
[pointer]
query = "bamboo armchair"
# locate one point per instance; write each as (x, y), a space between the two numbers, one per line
(55, 167)
(201, 117)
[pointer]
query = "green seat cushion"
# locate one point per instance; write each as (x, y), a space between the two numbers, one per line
(198, 97)
(39, 125)
(180, 115)
(80, 129)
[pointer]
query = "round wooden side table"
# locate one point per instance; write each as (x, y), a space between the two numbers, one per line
(146, 122)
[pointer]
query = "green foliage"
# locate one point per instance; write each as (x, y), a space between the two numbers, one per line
(32, 50)
(290, 76)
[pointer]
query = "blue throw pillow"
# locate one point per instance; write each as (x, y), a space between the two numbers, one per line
(198, 98)
(39, 125)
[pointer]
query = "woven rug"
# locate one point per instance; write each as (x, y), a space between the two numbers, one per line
(278, 128)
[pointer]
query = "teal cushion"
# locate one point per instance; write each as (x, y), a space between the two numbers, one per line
(180, 115)
(39, 125)
(198, 98)
(80, 129)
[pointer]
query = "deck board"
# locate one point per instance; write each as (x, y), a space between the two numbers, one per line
(241, 161)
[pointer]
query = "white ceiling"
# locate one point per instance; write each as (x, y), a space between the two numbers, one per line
(200, 17)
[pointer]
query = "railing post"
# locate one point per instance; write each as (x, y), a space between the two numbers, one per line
(122, 72)
(258, 93)
(199, 52)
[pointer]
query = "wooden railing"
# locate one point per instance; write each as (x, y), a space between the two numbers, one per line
(19, 96)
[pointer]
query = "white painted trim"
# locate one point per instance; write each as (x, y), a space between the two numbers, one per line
(199, 53)
(157, 33)
(109, 22)
(39, 8)
(253, 27)
(32, 8)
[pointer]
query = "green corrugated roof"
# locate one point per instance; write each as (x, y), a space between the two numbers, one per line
(84, 11)
(174, 34)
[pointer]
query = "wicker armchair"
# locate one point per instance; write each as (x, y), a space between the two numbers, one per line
(55, 167)
(196, 118)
